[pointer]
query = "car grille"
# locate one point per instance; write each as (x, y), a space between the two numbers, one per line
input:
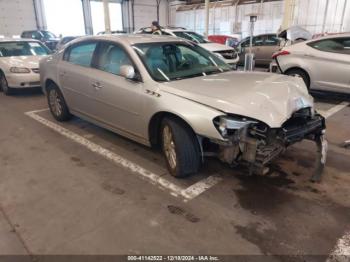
(36, 70)
(296, 129)
(228, 54)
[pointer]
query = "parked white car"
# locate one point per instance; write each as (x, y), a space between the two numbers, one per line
(227, 53)
(19, 63)
(323, 63)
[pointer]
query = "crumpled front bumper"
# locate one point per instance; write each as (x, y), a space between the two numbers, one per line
(260, 149)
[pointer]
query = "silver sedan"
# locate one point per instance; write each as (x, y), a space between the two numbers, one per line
(161, 91)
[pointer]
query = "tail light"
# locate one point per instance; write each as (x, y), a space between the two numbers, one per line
(280, 53)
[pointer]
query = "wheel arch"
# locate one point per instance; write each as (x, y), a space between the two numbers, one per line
(48, 82)
(154, 127)
(301, 69)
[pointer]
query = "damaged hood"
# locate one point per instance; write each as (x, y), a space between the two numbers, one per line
(214, 47)
(294, 33)
(270, 98)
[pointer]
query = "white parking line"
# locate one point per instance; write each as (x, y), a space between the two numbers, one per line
(334, 109)
(201, 186)
(341, 252)
(175, 190)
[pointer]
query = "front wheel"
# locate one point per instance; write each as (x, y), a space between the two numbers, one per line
(4, 85)
(57, 104)
(180, 147)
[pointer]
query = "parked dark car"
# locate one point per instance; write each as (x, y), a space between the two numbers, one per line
(46, 37)
(65, 40)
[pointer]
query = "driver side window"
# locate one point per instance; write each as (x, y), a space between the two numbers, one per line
(111, 57)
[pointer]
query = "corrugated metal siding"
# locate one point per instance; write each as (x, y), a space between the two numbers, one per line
(222, 19)
(16, 16)
(308, 13)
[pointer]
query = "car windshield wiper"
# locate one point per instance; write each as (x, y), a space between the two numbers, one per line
(189, 76)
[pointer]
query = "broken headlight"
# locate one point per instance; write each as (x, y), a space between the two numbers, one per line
(227, 125)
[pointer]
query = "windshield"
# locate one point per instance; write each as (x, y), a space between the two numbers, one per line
(176, 61)
(192, 36)
(48, 35)
(22, 49)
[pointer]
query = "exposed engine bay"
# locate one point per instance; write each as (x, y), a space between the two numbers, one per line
(256, 144)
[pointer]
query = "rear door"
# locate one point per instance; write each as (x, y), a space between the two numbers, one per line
(329, 62)
(74, 76)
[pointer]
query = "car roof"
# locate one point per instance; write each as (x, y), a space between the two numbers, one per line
(132, 38)
(330, 36)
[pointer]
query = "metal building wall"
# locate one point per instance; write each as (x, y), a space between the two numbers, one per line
(223, 19)
(16, 16)
(310, 14)
(317, 18)
(146, 12)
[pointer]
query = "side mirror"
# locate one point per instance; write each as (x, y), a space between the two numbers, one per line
(127, 71)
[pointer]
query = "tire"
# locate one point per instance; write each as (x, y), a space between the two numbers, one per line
(181, 149)
(57, 104)
(4, 85)
(300, 73)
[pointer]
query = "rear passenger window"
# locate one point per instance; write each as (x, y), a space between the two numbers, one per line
(334, 45)
(81, 54)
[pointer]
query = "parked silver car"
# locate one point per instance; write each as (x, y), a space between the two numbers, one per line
(323, 63)
(264, 46)
(166, 91)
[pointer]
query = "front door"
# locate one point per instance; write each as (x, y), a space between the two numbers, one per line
(117, 100)
(329, 60)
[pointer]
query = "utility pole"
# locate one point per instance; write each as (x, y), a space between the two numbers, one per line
(107, 17)
(158, 4)
(206, 18)
(325, 17)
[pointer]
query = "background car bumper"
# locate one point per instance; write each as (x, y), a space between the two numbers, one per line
(23, 80)
(231, 61)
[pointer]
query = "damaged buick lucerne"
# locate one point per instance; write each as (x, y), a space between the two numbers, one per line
(158, 90)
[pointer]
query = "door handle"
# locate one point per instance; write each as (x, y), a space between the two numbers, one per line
(308, 55)
(97, 85)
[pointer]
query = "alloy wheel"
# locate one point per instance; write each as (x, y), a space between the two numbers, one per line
(169, 146)
(55, 102)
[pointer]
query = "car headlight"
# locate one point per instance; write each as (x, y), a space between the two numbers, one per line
(19, 70)
(219, 55)
(227, 124)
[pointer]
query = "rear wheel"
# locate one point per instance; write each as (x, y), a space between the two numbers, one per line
(300, 73)
(4, 85)
(180, 147)
(57, 104)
